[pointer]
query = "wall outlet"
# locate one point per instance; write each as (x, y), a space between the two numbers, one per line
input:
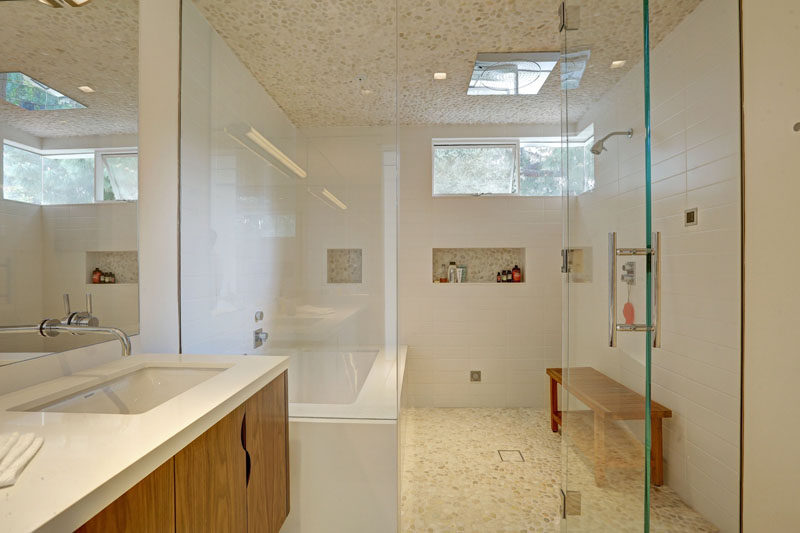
(690, 217)
(475, 376)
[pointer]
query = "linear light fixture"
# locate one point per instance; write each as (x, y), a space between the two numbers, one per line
(618, 64)
(332, 197)
(273, 150)
(86, 89)
(440, 75)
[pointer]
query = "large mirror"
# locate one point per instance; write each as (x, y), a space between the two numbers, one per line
(69, 168)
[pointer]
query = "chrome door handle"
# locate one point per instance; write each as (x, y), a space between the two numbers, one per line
(654, 255)
(612, 289)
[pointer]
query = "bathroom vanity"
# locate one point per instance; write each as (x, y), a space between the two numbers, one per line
(211, 455)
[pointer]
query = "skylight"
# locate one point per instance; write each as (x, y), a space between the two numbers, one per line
(511, 74)
(23, 91)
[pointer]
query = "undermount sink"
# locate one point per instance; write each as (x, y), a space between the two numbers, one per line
(132, 393)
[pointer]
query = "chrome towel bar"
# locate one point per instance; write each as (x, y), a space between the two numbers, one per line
(654, 255)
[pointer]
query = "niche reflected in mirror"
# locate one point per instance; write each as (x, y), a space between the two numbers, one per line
(68, 170)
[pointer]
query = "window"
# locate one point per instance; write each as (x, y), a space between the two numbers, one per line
(540, 169)
(120, 176)
(474, 169)
(516, 167)
(22, 175)
(68, 177)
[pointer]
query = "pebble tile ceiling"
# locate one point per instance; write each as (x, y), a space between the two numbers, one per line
(311, 55)
(95, 45)
(331, 62)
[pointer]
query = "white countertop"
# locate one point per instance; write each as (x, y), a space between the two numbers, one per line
(89, 460)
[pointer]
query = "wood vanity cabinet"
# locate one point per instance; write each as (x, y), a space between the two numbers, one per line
(234, 477)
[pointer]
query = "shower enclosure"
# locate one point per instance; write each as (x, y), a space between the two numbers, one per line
(648, 393)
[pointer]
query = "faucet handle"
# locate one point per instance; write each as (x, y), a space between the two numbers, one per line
(89, 303)
(66, 304)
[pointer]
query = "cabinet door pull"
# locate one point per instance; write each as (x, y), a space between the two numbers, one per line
(244, 447)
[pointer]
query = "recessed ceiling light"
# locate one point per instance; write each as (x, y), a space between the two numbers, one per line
(366, 92)
(86, 89)
(618, 64)
(440, 75)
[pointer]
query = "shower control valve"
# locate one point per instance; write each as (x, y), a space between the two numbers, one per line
(259, 337)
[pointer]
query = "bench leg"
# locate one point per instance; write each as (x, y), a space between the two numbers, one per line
(656, 452)
(553, 405)
(599, 449)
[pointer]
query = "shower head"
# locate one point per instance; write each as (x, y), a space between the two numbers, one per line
(597, 148)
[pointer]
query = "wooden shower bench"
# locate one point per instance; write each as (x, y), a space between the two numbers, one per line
(609, 400)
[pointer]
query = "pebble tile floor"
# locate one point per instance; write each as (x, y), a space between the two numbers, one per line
(454, 479)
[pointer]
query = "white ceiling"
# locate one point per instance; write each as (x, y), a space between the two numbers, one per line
(95, 45)
(309, 54)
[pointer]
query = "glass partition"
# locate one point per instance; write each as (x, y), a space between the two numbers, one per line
(285, 229)
(287, 209)
(648, 393)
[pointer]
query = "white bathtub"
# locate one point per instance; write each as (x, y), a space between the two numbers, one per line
(343, 441)
(328, 377)
(355, 384)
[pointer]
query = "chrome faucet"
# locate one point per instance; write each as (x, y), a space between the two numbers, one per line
(75, 323)
(79, 318)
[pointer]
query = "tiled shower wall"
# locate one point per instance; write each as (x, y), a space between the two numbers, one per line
(696, 153)
(20, 270)
(44, 256)
(511, 332)
(256, 238)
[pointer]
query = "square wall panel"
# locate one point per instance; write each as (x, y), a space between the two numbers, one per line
(345, 265)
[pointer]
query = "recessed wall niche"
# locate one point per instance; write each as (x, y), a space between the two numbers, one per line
(124, 265)
(345, 265)
(482, 264)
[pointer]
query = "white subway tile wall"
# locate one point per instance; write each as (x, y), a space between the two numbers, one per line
(254, 236)
(44, 256)
(696, 158)
(510, 332)
(21, 271)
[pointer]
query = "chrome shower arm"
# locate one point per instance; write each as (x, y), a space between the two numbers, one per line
(597, 148)
(629, 133)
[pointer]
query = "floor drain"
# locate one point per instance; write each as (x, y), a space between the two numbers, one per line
(511, 456)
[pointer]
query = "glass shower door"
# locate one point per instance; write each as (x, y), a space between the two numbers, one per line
(608, 264)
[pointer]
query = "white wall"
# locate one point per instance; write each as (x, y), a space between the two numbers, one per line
(254, 235)
(696, 373)
(159, 73)
(21, 271)
(771, 471)
(43, 255)
(241, 235)
(20, 259)
(69, 231)
(511, 332)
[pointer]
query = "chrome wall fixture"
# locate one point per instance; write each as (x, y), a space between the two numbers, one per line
(75, 323)
(654, 254)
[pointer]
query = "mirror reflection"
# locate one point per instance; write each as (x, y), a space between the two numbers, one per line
(69, 173)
